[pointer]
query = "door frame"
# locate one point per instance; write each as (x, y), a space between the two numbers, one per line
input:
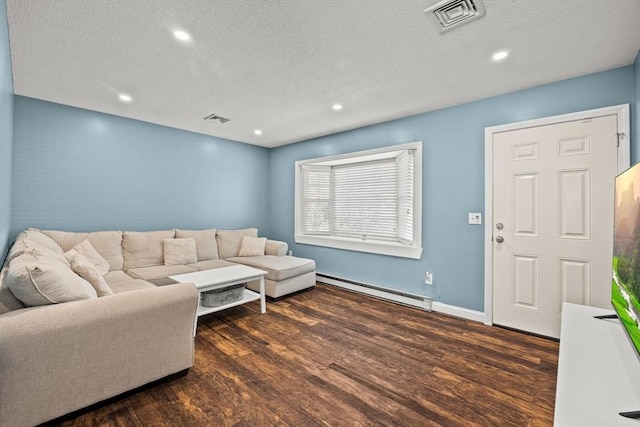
(624, 161)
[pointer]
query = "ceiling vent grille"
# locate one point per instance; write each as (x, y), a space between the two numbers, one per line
(214, 116)
(449, 14)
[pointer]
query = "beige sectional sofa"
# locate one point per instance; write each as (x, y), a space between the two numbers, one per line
(69, 348)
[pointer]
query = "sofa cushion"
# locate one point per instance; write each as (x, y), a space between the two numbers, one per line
(85, 249)
(107, 243)
(229, 241)
(206, 246)
(210, 264)
(180, 251)
(37, 236)
(88, 271)
(131, 285)
(278, 267)
(117, 276)
(159, 271)
(252, 246)
(30, 239)
(144, 248)
(45, 280)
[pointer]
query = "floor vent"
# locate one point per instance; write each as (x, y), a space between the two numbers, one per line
(449, 14)
(412, 300)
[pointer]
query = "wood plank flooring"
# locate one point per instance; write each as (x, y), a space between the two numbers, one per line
(330, 357)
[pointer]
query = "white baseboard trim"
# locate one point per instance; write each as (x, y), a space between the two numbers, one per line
(456, 311)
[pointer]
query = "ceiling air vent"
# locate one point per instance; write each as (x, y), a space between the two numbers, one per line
(214, 116)
(449, 14)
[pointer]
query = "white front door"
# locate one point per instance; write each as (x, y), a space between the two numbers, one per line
(552, 221)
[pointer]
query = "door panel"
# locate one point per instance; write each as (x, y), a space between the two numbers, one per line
(553, 192)
(525, 281)
(575, 204)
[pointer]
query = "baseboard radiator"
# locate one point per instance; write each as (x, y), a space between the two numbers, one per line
(409, 299)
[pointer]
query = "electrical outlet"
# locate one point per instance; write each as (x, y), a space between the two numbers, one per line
(428, 278)
(290, 253)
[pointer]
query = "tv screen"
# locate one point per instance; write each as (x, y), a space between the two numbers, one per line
(625, 286)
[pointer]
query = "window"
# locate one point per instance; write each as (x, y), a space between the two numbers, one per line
(368, 201)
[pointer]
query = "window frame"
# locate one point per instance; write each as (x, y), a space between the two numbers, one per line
(413, 251)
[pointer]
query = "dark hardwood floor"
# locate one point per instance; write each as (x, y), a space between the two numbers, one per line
(335, 358)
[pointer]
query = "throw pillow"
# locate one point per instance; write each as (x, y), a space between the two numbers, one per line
(229, 241)
(45, 280)
(85, 269)
(85, 248)
(206, 246)
(180, 251)
(252, 246)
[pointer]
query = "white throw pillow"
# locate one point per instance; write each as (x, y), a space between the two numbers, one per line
(88, 251)
(252, 246)
(180, 251)
(85, 269)
(46, 280)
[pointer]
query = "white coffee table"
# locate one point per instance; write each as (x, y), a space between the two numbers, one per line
(207, 280)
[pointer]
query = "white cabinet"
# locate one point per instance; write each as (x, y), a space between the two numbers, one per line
(598, 371)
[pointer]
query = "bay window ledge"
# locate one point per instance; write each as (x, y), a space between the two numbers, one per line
(370, 246)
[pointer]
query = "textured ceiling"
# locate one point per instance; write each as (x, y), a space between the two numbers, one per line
(280, 65)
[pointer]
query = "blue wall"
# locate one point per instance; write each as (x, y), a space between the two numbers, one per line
(6, 132)
(453, 184)
(77, 170)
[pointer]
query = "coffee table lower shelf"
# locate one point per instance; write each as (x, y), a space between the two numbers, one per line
(247, 297)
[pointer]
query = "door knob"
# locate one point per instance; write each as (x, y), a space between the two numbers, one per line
(499, 239)
(499, 226)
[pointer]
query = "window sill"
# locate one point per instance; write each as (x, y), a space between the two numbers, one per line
(383, 248)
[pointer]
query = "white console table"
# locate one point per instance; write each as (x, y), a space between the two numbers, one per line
(598, 371)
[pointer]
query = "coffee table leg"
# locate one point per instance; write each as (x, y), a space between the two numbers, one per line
(263, 302)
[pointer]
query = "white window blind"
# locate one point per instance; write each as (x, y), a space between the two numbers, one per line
(365, 200)
(316, 199)
(405, 196)
(368, 201)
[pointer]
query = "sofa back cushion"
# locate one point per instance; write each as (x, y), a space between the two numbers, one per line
(43, 280)
(144, 248)
(229, 241)
(206, 246)
(32, 239)
(107, 243)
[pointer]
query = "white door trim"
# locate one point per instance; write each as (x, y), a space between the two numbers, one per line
(624, 161)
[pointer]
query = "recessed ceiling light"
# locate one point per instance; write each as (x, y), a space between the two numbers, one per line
(257, 132)
(498, 56)
(337, 107)
(124, 97)
(181, 35)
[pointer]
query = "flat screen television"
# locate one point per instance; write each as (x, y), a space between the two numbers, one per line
(625, 285)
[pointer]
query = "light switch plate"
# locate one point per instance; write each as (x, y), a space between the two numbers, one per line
(475, 218)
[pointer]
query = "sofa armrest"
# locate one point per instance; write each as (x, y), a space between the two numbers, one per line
(59, 358)
(275, 247)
